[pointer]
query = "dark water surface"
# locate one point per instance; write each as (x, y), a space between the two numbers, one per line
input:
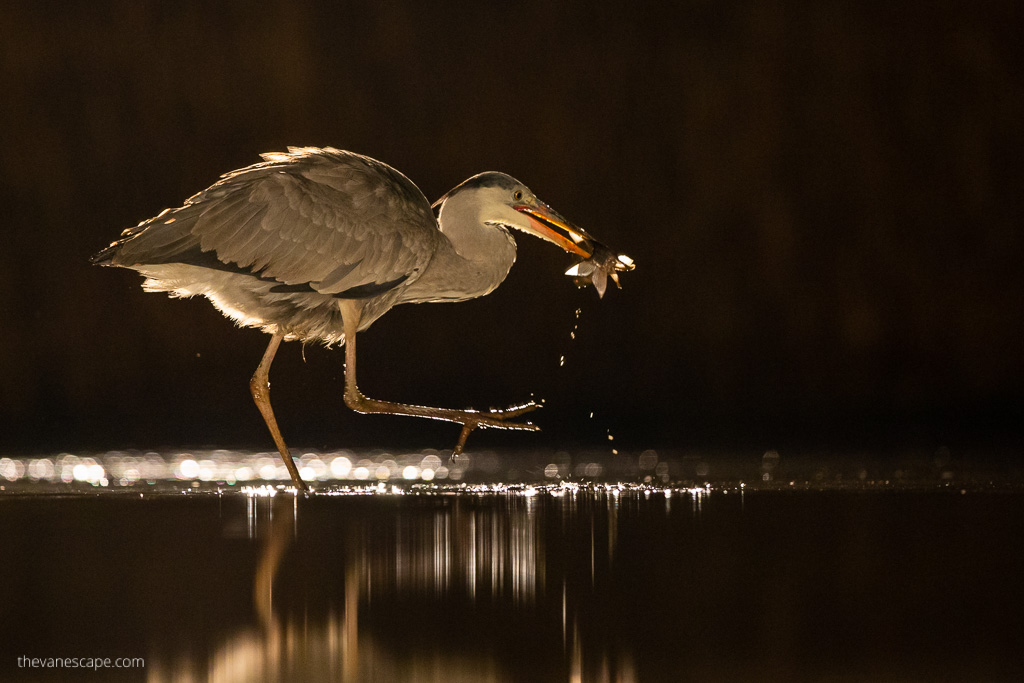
(548, 584)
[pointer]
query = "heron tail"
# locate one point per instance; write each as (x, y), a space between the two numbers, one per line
(161, 239)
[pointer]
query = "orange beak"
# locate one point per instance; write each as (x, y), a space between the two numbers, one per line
(547, 224)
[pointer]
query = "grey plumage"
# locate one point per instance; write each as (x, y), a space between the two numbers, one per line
(316, 244)
(276, 243)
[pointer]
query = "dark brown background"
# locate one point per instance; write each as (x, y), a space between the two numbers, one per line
(823, 199)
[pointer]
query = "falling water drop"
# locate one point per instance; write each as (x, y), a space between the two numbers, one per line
(572, 335)
(576, 325)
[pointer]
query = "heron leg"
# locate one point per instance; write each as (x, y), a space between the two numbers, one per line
(259, 385)
(469, 419)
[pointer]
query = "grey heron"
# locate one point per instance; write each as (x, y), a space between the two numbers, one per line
(316, 244)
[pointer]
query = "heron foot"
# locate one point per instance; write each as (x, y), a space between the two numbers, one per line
(469, 419)
(495, 419)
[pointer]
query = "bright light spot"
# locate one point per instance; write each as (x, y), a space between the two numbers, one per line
(530, 491)
(307, 473)
(80, 472)
(268, 472)
(431, 461)
(312, 460)
(131, 475)
(243, 473)
(41, 469)
(207, 470)
(260, 491)
(382, 472)
(187, 469)
(361, 473)
(427, 474)
(8, 469)
(410, 472)
(96, 473)
(551, 470)
(341, 467)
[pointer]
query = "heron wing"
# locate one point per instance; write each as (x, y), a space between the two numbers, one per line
(332, 221)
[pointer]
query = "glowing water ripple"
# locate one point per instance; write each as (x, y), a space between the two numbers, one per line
(551, 473)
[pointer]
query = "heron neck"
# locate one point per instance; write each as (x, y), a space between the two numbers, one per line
(470, 259)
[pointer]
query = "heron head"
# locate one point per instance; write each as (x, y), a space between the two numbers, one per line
(501, 201)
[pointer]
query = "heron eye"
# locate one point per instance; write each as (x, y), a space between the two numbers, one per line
(517, 195)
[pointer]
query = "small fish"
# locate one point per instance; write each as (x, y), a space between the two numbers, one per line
(602, 264)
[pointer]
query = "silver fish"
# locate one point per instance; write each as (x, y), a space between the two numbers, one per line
(602, 264)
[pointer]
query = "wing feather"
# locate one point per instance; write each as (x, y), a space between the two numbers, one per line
(334, 220)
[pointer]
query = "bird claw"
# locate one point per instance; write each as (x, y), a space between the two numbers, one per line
(516, 410)
(495, 419)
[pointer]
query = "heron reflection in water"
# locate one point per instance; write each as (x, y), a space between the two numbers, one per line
(446, 552)
(316, 244)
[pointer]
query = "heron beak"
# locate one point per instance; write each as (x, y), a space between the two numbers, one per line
(547, 224)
